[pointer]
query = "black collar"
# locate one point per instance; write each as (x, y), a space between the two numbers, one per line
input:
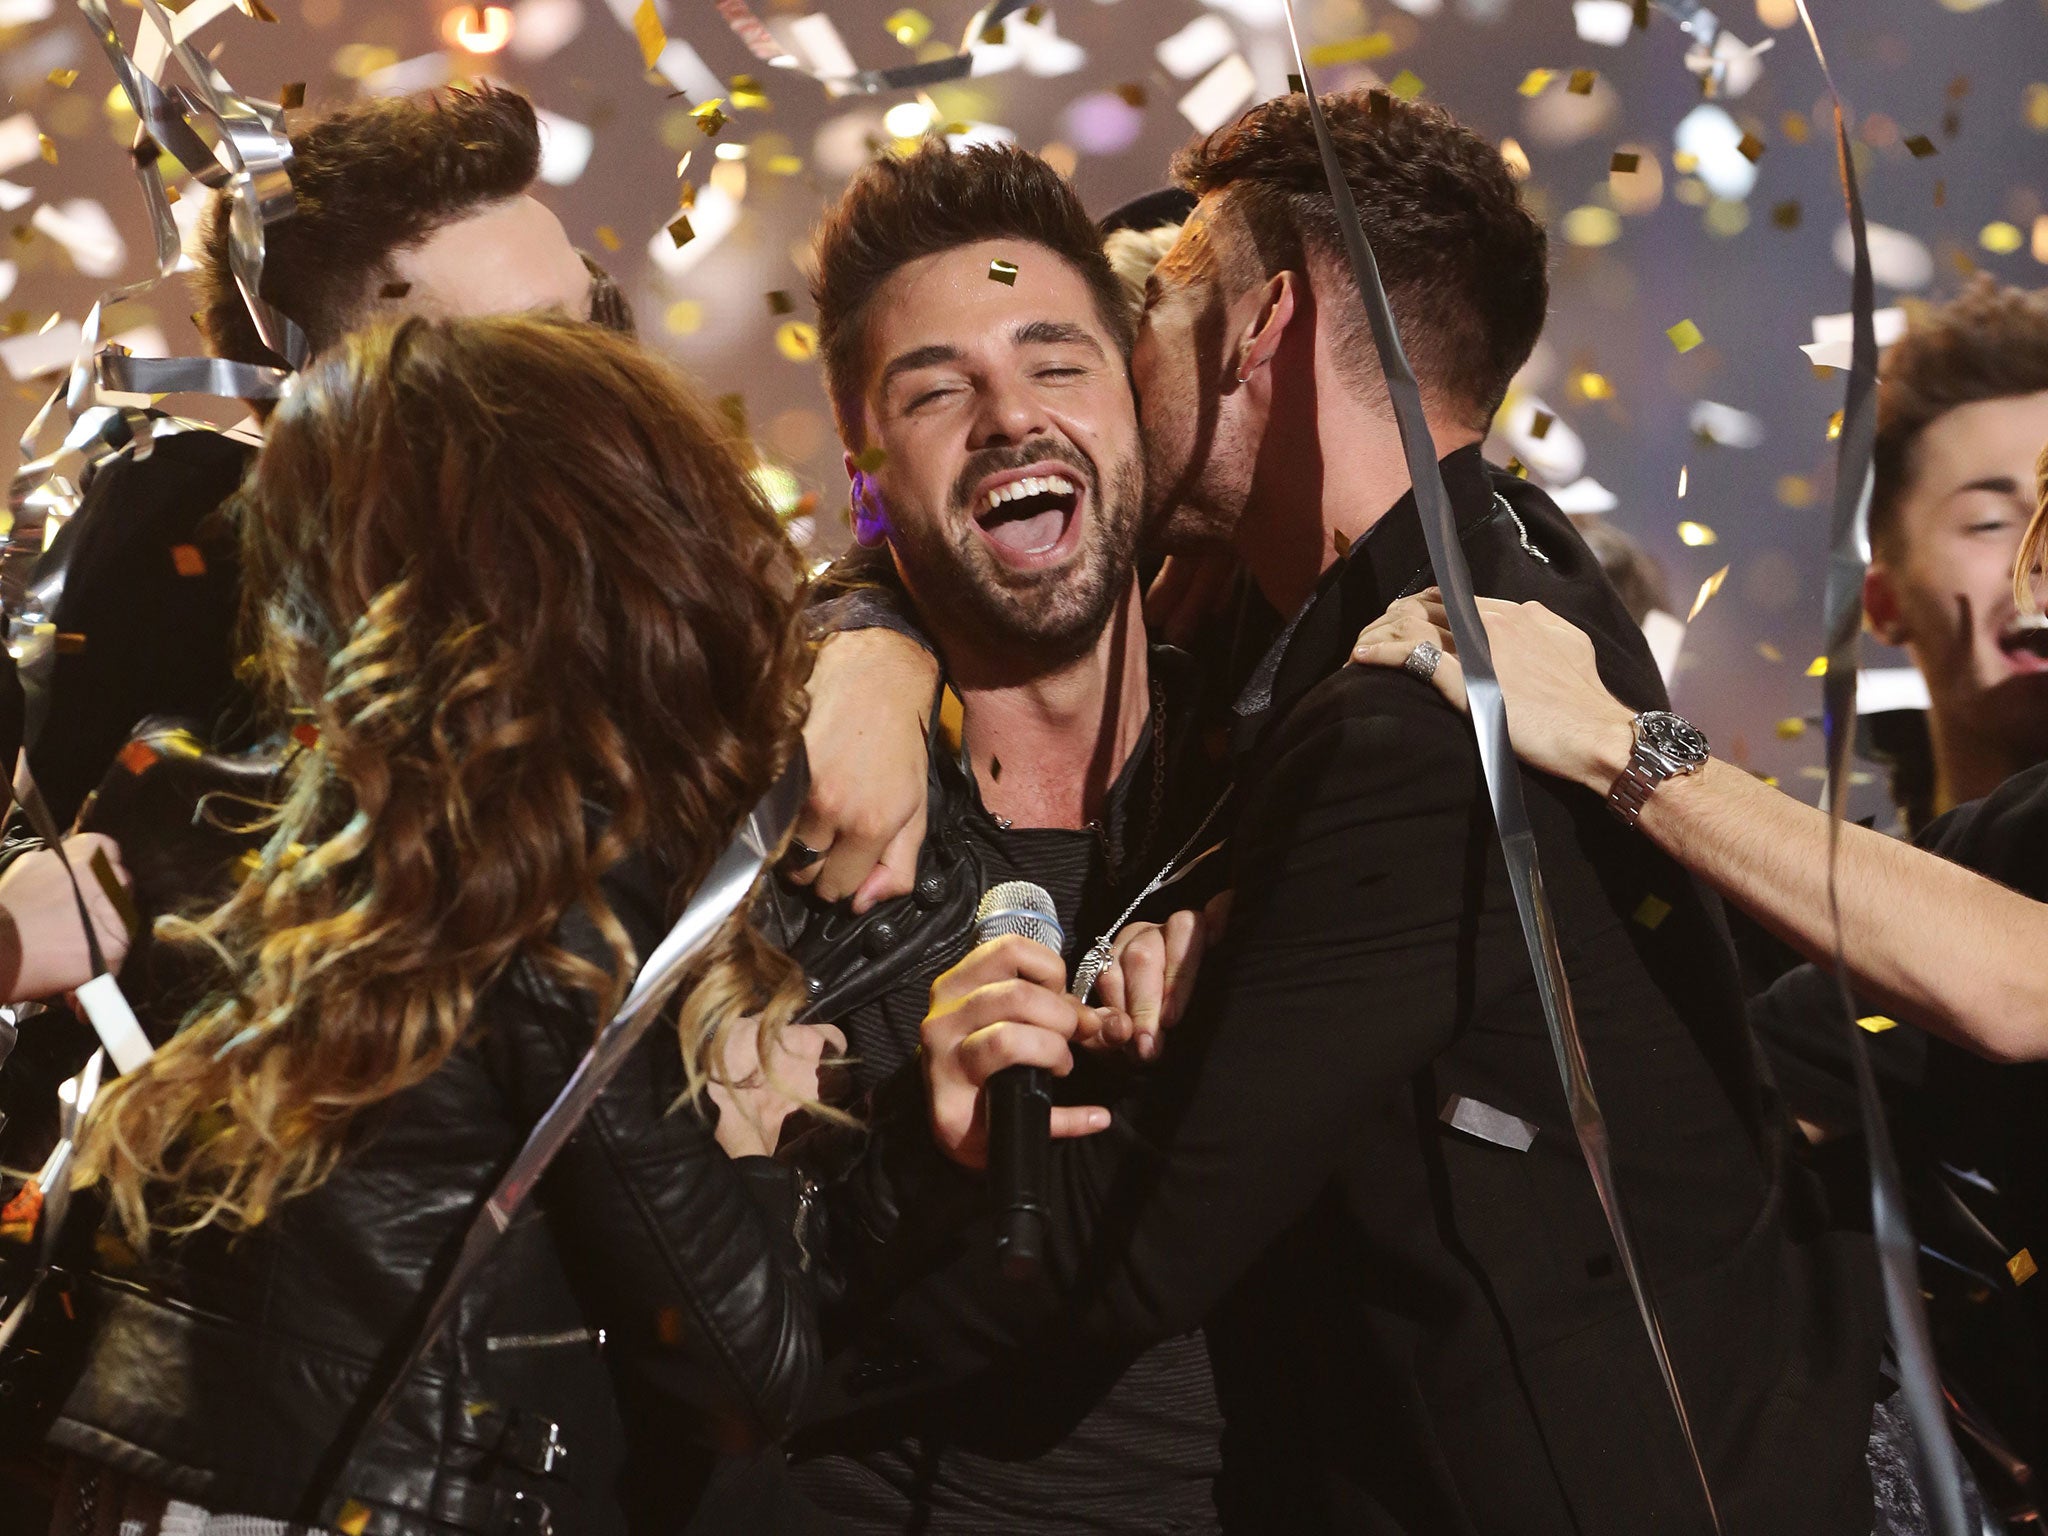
(1390, 561)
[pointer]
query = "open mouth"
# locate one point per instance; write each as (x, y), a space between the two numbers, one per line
(2025, 643)
(1028, 517)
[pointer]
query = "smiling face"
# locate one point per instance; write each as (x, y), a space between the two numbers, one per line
(1943, 587)
(1011, 465)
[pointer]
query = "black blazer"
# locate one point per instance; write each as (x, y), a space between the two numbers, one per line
(1420, 1330)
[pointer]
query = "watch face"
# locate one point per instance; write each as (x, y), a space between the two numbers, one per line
(1678, 739)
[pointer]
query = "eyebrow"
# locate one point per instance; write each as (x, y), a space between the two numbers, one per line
(1032, 333)
(916, 358)
(1998, 485)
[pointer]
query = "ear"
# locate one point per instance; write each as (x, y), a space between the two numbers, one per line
(1881, 605)
(1268, 325)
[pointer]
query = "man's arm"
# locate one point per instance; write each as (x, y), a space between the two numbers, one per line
(1366, 892)
(1926, 940)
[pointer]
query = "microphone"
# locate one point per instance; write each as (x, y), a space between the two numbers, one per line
(1019, 1098)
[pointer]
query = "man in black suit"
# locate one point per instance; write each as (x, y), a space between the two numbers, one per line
(1356, 1158)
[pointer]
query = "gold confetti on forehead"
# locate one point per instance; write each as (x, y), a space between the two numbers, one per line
(1004, 272)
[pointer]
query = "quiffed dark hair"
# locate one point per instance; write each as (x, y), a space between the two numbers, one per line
(371, 179)
(1990, 343)
(900, 208)
(1462, 258)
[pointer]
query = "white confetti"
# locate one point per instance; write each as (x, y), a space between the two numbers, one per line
(1197, 47)
(1219, 95)
(1603, 22)
(565, 147)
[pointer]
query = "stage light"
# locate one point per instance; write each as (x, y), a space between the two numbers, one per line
(907, 119)
(477, 28)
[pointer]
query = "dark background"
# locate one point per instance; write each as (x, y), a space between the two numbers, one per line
(1974, 82)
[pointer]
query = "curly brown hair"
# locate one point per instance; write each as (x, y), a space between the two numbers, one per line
(371, 180)
(516, 573)
(1462, 258)
(1988, 343)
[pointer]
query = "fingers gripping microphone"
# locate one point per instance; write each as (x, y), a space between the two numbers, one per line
(1019, 1098)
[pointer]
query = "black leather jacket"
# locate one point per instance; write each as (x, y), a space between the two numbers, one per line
(652, 1280)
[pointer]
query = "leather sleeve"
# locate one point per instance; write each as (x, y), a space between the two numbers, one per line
(690, 1260)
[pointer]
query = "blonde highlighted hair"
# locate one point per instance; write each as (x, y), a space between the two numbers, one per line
(516, 573)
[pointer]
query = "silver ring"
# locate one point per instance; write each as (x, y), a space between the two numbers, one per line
(1422, 661)
(800, 855)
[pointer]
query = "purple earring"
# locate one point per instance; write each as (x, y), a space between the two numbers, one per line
(870, 516)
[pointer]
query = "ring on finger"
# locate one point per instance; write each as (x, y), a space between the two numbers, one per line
(800, 855)
(1423, 660)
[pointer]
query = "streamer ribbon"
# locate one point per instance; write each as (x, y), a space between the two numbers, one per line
(1497, 760)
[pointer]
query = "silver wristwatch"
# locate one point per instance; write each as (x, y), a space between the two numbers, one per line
(1666, 746)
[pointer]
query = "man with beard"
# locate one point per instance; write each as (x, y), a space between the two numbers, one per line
(975, 343)
(1355, 1156)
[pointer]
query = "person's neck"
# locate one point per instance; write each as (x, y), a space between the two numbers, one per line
(1970, 763)
(1329, 468)
(1027, 737)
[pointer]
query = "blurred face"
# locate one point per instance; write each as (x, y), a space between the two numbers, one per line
(1011, 472)
(1948, 594)
(501, 260)
(1200, 442)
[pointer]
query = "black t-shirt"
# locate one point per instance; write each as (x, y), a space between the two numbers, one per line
(1088, 1443)
(1968, 1131)
(148, 616)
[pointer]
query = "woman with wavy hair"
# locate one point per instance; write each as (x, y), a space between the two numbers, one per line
(541, 635)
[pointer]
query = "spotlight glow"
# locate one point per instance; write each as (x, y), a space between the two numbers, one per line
(907, 119)
(477, 28)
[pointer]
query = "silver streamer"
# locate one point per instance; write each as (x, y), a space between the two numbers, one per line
(1497, 759)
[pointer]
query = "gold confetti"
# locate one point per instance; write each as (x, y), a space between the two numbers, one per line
(1922, 147)
(352, 1519)
(1407, 85)
(48, 146)
(188, 559)
(1684, 335)
(747, 93)
(1355, 50)
(780, 303)
(647, 28)
(607, 237)
(1594, 386)
(2021, 1267)
(1818, 667)
(684, 317)
(1581, 82)
(796, 340)
(1786, 215)
(1769, 652)
(1752, 148)
(710, 118)
(2035, 105)
(870, 459)
(1684, 475)
(63, 79)
(1876, 1023)
(1517, 468)
(1794, 127)
(1624, 162)
(679, 230)
(1651, 911)
(1706, 593)
(1592, 225)
(1696, 535)
(292, 95)
(1132, 92)
(1004, 272)
(910, 28)
(1791, 728)
(1539, 425)
(1341, 542)
(1533, 83)
(1997, 237)
(1834, 426)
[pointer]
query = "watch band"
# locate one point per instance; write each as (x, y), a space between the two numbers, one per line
(1634, 785)
(1650, 764)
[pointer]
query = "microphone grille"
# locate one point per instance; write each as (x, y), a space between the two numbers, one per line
(1019, 907)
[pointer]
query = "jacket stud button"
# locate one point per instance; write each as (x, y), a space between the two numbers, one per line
(929, 891)
(878, 940)
(815, 985)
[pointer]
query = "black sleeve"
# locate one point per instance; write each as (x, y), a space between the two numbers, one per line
(1365, 928)
(691, 1258)
(862, 590)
